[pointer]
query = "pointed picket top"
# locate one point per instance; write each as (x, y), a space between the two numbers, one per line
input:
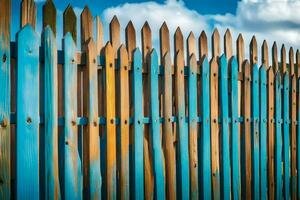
(86, 19)
(240, 48)
(90, 45)
(283, 59)
(215, 43)
(265, 54)
(164, 40)
(49, 15)
(130, 37)
(228, 44)
(99, 34)
(153, 61)
(193, 63)
(137, 58)
(291, 61)
(28, 13)
(70, 22)
(114, 34)
(203, 46)
(275, 57)
(108, 49)
(253, 51)
(146, 41)
(298, 62)
(123, 55)
(27, 30)
(191, 45)
(178, 40)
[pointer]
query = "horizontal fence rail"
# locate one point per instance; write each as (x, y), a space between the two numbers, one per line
(112, 121)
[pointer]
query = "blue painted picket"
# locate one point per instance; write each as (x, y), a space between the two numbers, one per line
(159, 179)
(255, 130)
(235, 143)
(52, 189)
(286, 136)
(204, 144)
(225, 163)
(27, 135)
(263, 132)
(137, 189)
(278, 137)
(72, 180)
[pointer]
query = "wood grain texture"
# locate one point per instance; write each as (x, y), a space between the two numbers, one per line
(298, 142)
(125, 114)
(164, 36)
(28, 13)
(203, 45)
(191, 45)
(253, 51)
(111, 162)
(298, 63)
(275, 57)
(91, 143)
(228, 44)
(214, 115)
(146, 42)
(99, 34)
(86, 25)
(52, 187)
(291, 61)
(240, 50)
(293, 135)
(216, 49)
(114, 35)
(130, 36)
(49, 15)
(265, 54)
(5, 100)
(70, 22)
(283, 68)
(27, 135)
(246, 163)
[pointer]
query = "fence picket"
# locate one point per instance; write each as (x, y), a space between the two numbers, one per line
(49, 16)
(114, 33)
(5, 101)
(27, 135)
(28, 13)
(203, 46)
(298, 63)
(70, 22)
(298, 140)
(283, 68)
(293, 135)
(99, 34)
(228, 44)
(130, 40)
(291, 61)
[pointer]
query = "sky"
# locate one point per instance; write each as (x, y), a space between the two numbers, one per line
(273, 20)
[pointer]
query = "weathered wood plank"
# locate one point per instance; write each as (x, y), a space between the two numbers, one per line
(183, 175)
(265, 54)
(72, 184)
(27, 135)
(114, 33)
(155, 138)
(283, 68)
(125, 114)
(146, 43)
(111, 161)
(224, 113)
(275, 57)
(164, 36)
(204, 141)
(298, 140)
(49, 15)
(5, 100)
(246, 162)
(291, 61)
(240, 51)
(52, 187)
(278, 137)
(253, 51)
(86, 25)
(28, 13)
(203, 46)
(298, 63)
(130, 40)
(293, 120)
(235, 137)
(214, 115)
(216, 50)
(228, 44)
(193, 126)
(262, 97)
(99, 34)
(137, 179)
(70, 22)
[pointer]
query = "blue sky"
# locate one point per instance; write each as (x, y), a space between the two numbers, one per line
(274, 20)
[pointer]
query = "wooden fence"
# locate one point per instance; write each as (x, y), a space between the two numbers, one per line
(112, 122)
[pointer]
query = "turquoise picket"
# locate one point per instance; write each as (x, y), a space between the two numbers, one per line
(263, 132)
(286, 136)
(235, 147)
(72, 180)
(255, 131)
(193, 114)
(52, 189)
(137, 185)
(27, 135)
(298, 141)
(158, 165)
(204, 141)
(225, 163)
(278, 137)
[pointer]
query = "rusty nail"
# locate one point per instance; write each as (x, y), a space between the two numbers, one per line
(67, 142)
(125, 121)
(4, 58)
(29, 120)
(73, 122)
(95, 123)
(4, 123)
(112, 121)
(125, 67)
(94, 61)
(110, 64)
(139, 122)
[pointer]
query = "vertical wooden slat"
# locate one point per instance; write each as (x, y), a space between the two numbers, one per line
(124, 121)
(275, 57)
(110, 151)
(291, 61)
(164, 36)
(298, 63)
(191, 45)
(278, 138)
(215, 44)
(5, 108)
(224, 113)
(235, 137)
(298, 139)
(246, 163)
(263, 132)
(99, 34)
(86, 22)
(91, 130)
(137, 166)
(255, 136)
(28, 13)
(155, 138)
(240, 50)
(214, 115)
(70, 22)
(203, 46)
(286, 136)
(265, 54)
(228, 44)
(27, 137)
(49, 15)
(52, 188)
(205, 143)
(283, 68)
(72, 184)
(293, 120)
(114, 33)
(146, 42)
(130, 40)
